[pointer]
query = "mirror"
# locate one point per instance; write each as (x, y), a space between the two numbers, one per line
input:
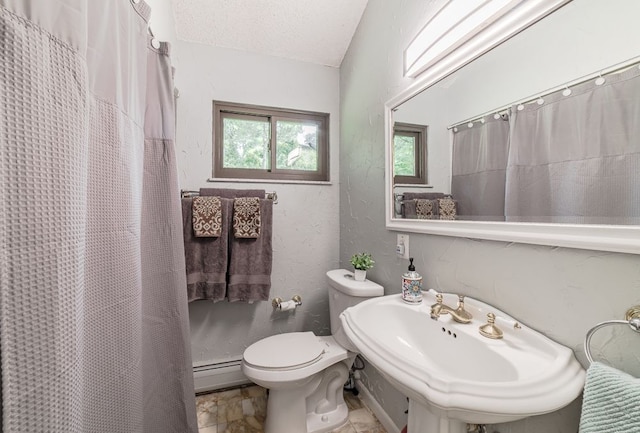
(581, 38)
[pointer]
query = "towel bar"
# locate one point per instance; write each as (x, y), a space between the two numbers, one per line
(632, 318)
(270, 195)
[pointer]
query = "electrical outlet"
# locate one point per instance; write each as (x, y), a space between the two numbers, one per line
(402, 246)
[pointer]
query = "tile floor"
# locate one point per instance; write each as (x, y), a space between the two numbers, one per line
(242, 410)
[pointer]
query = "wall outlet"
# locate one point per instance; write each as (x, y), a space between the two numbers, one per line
(402, 246)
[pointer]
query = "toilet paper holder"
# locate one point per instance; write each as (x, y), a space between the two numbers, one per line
(277, 302)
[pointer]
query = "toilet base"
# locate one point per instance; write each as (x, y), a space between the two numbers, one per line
(323, 423)
(323, 408)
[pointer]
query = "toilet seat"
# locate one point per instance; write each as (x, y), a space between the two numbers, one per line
(288, 351)
(270, 377)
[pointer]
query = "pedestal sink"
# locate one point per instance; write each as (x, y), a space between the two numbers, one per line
(452, 374)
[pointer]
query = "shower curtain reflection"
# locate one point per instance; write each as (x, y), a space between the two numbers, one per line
(479, 167)
(571, 156)
(575, 158)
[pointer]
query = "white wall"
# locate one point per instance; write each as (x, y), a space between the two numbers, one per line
(305, 221)
(161, 22)
(561, 292)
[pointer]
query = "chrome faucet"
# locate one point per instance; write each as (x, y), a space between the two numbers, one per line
(458, 314)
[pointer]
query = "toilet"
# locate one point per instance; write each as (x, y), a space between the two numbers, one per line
(305, 373)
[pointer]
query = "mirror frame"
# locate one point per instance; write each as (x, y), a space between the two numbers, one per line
(623, 239)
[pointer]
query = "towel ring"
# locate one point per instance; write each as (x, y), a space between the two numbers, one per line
(632, 318)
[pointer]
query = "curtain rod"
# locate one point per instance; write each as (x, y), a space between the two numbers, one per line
(269, 195)
(500, 111)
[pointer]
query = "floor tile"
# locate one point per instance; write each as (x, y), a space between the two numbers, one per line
(243, 410)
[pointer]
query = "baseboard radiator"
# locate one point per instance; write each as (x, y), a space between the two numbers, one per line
(218, 375)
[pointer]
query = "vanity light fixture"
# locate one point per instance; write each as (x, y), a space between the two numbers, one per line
(457, 22)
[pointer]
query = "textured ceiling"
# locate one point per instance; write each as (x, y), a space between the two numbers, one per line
(316, 31)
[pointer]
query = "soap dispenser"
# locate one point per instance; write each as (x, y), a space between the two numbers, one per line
(412, 285)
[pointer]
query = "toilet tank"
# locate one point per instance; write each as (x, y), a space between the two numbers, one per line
(345, 292)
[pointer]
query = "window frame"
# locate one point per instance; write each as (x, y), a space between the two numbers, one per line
(421, 155)
(222, 110)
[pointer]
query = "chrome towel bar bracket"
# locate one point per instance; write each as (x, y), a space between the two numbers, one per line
(632, 318)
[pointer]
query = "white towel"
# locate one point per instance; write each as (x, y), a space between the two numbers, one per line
(611, 402)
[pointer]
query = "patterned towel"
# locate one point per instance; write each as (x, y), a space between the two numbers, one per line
(611, 401)
(447, 208)
(426, 209)
(207, 217)
(246, 217)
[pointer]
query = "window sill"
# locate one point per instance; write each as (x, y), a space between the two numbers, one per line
(275, 181)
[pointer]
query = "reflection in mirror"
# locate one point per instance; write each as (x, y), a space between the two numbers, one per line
(409, 154)
(527, 154)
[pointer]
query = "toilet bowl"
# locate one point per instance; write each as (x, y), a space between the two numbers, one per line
(305, 373)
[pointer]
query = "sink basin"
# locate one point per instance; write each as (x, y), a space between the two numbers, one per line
(452, 374)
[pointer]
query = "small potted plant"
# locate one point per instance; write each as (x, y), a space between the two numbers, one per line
(361, 262)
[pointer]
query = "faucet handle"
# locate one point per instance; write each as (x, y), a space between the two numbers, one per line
(508, 322)
(436, 309)
(489, 329)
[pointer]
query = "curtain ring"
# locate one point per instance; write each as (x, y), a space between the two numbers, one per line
(155, 43)
(600, 80)
(566, 91)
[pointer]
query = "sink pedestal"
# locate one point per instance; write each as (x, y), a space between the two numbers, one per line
(422, 420)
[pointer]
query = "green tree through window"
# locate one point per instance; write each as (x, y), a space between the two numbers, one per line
(256, 142)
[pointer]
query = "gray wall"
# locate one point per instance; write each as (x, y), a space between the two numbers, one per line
(560, 292)
(305, 221)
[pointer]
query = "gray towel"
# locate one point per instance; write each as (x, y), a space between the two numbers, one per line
(232, 193)
(206, 258)
(409, 204)
(250, 262)
(611, 401)
(423, 195)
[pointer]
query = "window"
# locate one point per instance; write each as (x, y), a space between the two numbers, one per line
(254, 142)
(409, 153)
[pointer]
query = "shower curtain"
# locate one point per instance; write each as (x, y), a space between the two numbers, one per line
(93, 312)
(478, 171)
(574, 158)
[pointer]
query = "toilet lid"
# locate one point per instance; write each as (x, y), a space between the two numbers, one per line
(290, 350)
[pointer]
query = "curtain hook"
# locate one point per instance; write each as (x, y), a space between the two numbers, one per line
(540, 101)
(496, 116)
(520, 107)
(566, 91)
(470, 125)
(600, 80)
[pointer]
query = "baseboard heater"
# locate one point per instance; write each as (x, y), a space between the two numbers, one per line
(218, 375)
